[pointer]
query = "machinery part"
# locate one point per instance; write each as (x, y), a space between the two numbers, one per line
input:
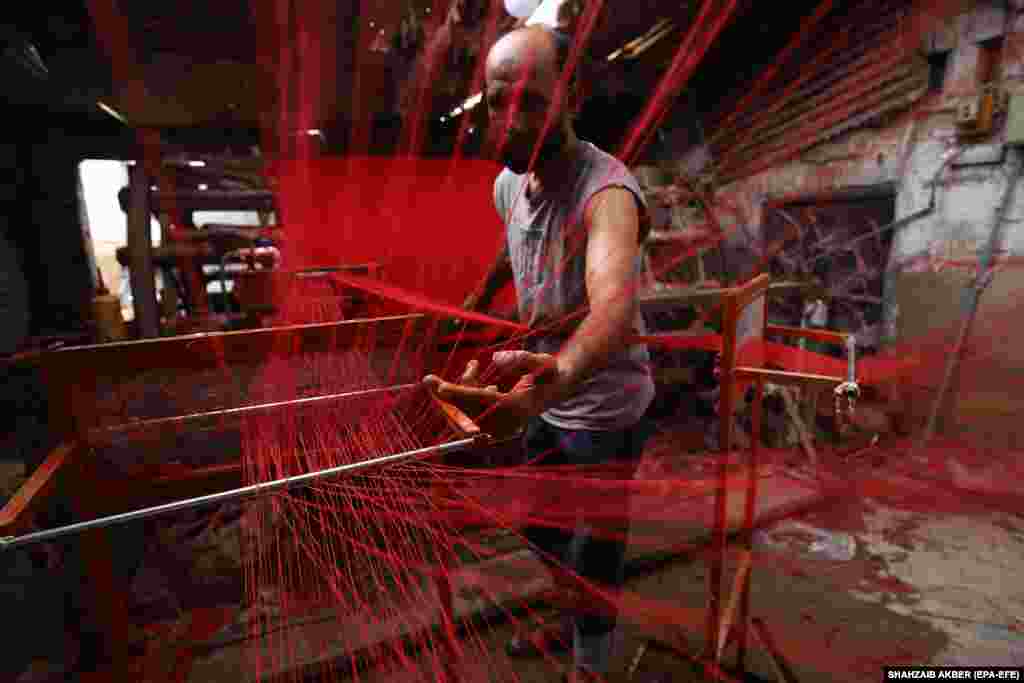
(806, 440)
(252, 491)
(849, 391)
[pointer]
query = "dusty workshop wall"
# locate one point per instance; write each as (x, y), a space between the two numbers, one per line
(863, 160)
(966, 195)
(923, 292)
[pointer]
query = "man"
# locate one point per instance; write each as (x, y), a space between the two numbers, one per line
(573, 217)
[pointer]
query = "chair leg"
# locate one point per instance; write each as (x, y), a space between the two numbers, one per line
(783, 671)
(739, 589)
(637, 658)
(717, 550)
(748, 525)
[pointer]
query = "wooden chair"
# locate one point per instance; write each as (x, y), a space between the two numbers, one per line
(743, 363)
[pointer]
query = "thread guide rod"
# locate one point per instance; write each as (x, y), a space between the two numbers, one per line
(251, 491)
(141, 425)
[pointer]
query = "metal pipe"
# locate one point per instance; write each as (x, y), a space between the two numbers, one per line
(851, 359)
(252, 491)
(95, 434)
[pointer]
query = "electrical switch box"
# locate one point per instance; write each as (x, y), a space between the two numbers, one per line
(974, 116)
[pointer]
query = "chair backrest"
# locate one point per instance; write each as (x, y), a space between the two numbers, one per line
(744, 317)
(750, 326)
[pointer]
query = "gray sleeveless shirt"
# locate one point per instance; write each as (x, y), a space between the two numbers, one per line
(547, 246)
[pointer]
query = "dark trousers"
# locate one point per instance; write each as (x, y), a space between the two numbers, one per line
(588, 524)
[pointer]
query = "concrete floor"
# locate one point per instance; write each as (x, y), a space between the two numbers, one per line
(912, 588)
(942, 591)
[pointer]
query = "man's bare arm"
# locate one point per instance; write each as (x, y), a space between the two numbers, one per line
(613, 222)
(612, 247)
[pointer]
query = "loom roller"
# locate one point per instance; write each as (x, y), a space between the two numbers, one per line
(245, 492)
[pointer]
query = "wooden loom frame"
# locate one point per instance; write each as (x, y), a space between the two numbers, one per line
(72, 376)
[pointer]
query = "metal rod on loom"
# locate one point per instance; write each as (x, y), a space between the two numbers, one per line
(229, 412)
(252, 491)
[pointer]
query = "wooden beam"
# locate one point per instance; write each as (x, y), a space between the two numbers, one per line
(17, 515)
(214, 200)
(739, 586)
(209, 350)
(672, 298)
(787, 378)
(140, 253)
(783, 672)
(825, 336)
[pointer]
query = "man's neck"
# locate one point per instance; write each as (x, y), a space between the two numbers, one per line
(554, 171)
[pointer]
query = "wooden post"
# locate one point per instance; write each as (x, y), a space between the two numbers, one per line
(447, 561)
(736, 598)
(783, 671)
(140, 255)
(748, 525)
(726, 403)
(104, 594)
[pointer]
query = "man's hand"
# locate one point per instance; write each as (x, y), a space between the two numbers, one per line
(497, 413)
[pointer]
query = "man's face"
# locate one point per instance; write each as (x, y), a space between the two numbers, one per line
(520, 99)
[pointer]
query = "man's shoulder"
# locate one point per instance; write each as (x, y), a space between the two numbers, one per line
(505, 178)
(606, 170)
(505, 186)
(602, 161)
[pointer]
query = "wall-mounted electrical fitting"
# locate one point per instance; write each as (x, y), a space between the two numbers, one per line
(975, 115)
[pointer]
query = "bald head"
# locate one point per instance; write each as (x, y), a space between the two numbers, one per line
(524, 101)
(534, 48)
